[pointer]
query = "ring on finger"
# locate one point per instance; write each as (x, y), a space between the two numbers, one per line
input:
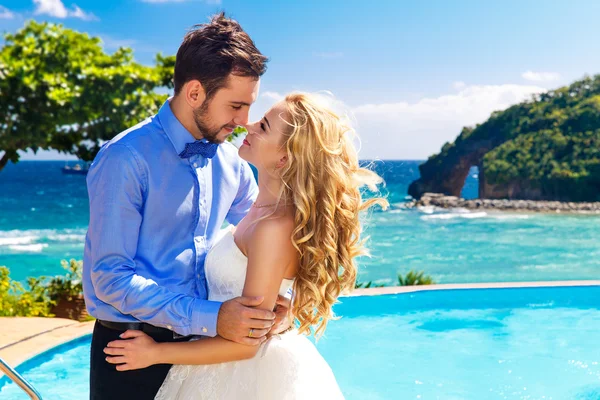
(251, 332)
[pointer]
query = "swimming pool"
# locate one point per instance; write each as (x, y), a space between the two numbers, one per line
(526, 343)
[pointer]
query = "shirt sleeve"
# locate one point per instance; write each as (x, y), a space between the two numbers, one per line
(116, 187)
(246, 195)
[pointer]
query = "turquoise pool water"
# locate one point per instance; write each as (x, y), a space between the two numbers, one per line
(534, 343)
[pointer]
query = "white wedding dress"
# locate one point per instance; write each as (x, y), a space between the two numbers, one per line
(286, 367)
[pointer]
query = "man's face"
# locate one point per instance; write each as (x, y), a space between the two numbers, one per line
(228, 108)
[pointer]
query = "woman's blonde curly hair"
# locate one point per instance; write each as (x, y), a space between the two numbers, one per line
(322, 178)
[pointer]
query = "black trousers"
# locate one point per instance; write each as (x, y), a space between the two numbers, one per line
(106, 383)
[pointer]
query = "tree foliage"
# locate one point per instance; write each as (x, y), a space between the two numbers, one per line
(60, 90)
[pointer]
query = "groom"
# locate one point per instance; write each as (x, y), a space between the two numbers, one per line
(159, 193)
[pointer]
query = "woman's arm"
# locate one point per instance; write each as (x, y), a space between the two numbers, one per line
(270, 253)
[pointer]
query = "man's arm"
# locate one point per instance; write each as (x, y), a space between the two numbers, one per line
(116, 185)
(270, 254)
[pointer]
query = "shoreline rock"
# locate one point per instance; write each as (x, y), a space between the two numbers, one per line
(443, 201)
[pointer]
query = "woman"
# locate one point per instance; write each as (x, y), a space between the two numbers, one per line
(302, 233)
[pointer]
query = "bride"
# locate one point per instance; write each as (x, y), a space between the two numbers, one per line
(302, 234)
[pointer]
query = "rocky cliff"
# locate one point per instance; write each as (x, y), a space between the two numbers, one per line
(547, 148)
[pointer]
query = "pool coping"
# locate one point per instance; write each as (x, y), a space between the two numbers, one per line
(48, 334)
(454, 286)
(54, 332)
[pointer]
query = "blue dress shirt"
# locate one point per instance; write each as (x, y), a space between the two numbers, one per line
(153, 217)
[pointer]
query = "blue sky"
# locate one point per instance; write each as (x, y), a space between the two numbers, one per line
(410, 73)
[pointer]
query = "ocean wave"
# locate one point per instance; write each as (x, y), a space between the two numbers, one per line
(67, 237)
(540, 305)
(502, 217)
(29, 248)
(436, 214)
(543, 267)
(35, 240)
(480, 214)
(453, 215)
(439, 216)
(460, 210)
(11, 241)
(427, 209)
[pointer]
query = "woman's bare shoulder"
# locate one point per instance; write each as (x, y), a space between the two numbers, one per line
(279, 229)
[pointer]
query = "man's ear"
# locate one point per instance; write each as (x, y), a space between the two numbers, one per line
(194, 93)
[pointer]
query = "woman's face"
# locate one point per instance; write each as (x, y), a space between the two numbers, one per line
(263, 146)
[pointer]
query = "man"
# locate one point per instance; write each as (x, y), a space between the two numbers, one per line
(159, 193)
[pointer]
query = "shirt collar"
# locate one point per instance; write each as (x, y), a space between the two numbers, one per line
(176, 132)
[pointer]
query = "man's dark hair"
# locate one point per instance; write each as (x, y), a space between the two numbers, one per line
(212, 51)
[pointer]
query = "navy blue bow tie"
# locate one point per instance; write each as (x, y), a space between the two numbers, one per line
(205, 149)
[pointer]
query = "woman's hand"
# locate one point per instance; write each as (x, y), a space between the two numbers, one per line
(282, 322)
(138, 351)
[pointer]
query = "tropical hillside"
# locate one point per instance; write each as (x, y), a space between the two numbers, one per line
(547, 148)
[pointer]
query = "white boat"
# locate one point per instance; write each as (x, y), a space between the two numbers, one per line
(77, 169)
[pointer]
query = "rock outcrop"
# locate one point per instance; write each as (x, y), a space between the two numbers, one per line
(453, 202)
(546, 149)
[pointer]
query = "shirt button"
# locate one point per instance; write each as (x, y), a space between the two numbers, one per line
(204, 330)
(198, 276)
(169, 327)
(195, 165)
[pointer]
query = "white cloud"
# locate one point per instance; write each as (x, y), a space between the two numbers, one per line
(541, 76)
(272, 96)
(111, 43)
(5, 13)
(415, 130)
(79, 13)
(459, 85)
(56, 8)
(329, 55)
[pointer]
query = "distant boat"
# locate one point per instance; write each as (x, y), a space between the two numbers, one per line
(77, 169)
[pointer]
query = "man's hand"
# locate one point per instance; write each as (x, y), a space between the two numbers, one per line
(237, 317)
(282, 320)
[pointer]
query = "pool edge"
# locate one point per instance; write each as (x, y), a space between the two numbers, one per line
(26, 348)
(454, 286)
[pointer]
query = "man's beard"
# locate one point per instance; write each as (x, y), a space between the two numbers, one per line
(209, 133)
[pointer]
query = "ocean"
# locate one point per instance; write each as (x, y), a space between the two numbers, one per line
(44, 215)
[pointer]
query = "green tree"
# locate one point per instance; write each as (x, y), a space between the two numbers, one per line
(60, 90)
(547, 148)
